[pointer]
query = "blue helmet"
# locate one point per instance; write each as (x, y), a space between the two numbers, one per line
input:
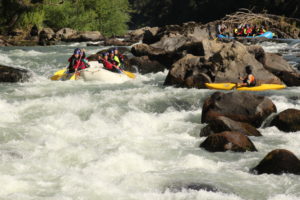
(111, 51)
(104, 54)
(77, 51)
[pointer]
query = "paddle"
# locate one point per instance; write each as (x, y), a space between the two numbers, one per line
(129, 74)
(58, 75)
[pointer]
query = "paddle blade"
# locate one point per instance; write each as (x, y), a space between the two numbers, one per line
(60, 72)
(58, 75)
(75, 76)
(129, 74)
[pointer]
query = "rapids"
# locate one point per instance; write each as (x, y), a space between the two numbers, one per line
(136, 140)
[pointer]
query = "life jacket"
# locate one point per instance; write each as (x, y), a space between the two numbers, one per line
(249, 31)
(235, 31)
(240, 32)
(107, 64)
(116, 58)
(251, 80)
(76, 64)
(262, 31)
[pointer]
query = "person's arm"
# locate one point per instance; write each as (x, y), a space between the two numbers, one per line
(107, 64)
(86, 62)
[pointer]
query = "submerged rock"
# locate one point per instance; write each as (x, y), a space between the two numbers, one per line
(12, 75)
(220, 124)
(277, 162)
(233, 141)
(287, 121)
(238, 106)
(192, 186)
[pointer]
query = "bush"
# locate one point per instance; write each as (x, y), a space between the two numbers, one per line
(28, 19)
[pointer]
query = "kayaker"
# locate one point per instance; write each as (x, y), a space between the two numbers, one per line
(108, 65)
(248, 80)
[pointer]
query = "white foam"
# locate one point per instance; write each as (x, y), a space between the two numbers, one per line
(89, 140)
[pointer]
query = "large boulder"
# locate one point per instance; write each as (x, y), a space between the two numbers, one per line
(46, 36)
(221, 124)
(65, 34)
(84, 36)
(12, 75)
(90, 36)
(145, 65)
(166, 58)
(282, 69)
(277, 162)
(238, 106)
(287, 121)
(189, 72)
(190, 29)
(220, 62)
(117, 42)
(233, 141)
(231, 60)
(150, 35)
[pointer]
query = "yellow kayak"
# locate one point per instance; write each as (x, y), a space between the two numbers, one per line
(231, 86)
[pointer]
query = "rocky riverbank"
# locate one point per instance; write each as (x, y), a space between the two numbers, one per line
(192, 59)
(231, 122)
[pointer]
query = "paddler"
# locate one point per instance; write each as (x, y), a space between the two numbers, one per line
(108, 65)
(249, 79)
(77, 61)
(119, 58)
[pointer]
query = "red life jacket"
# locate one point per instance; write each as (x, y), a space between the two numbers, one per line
(249, 30)
(78, 64)
(107, 64)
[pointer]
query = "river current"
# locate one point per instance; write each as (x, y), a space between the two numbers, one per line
(76, 140)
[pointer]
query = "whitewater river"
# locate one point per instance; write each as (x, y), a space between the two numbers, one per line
(138, 140)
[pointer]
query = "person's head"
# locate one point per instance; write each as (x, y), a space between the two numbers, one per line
(116, 51)
(248, 69)
(111, 52)
(77, 52)
(105, 55)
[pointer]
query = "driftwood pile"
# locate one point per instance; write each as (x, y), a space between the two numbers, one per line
(282, 26)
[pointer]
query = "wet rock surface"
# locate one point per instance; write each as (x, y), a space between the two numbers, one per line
(287, 121)
(221, 124)
(13, 75)
(277, 162)
(238, 106)
(228, 141)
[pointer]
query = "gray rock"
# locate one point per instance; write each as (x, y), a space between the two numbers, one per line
(13, 75)
(238, 106)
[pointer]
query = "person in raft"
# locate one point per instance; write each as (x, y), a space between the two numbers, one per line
(248, 80)
(77, 61)
(108, 65)
(118, 57)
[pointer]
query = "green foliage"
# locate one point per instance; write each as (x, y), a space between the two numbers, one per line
(31, 18)
(110, 17)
